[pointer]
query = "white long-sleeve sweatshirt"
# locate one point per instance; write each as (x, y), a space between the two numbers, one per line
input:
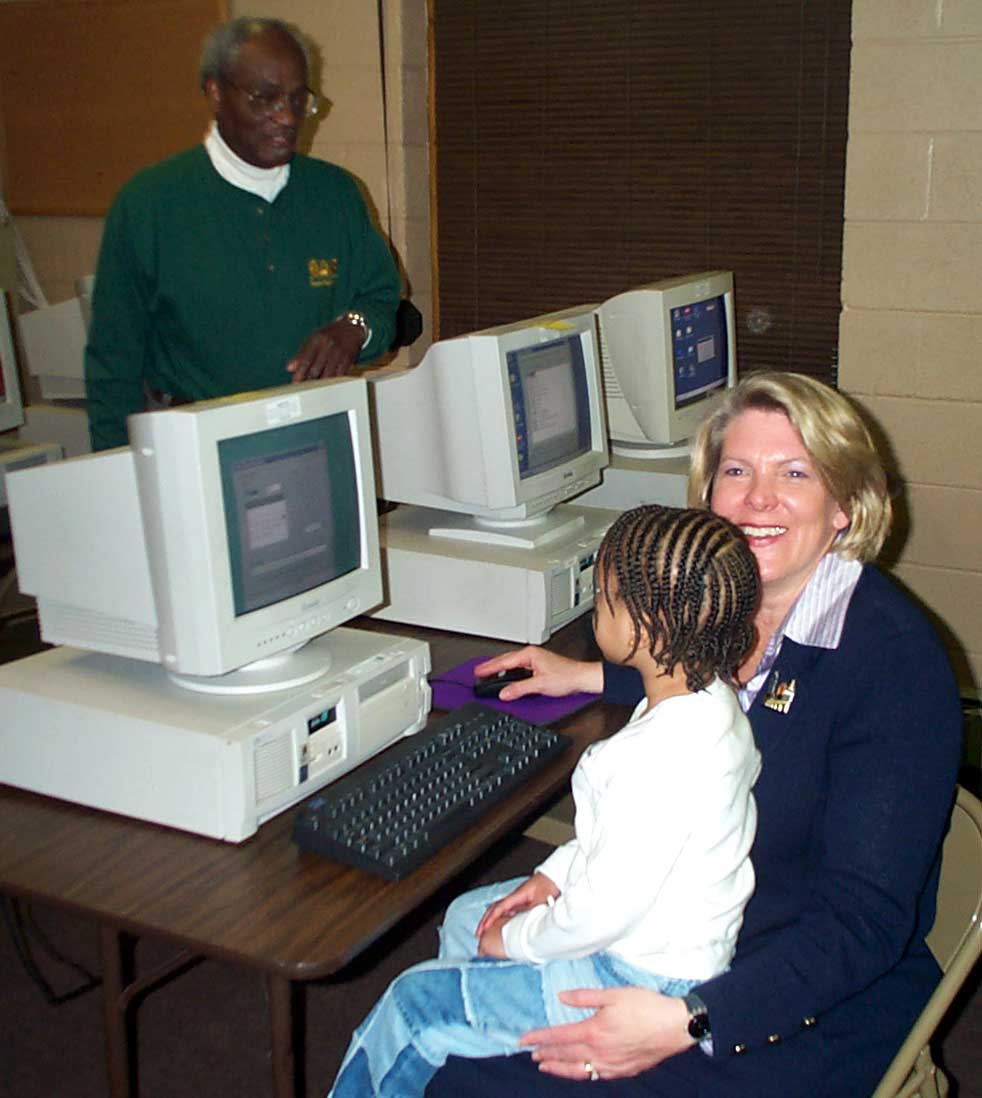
(659, 871)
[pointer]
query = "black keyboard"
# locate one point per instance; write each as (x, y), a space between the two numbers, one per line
(396, 811)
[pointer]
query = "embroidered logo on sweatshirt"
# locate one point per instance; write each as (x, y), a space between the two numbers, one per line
(323, 272)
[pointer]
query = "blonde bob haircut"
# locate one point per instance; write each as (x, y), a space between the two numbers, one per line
(837, 440)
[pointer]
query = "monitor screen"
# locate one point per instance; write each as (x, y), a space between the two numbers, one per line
(229, 532)
(291, 510)
(501, 425)
(669, 352)
(550, 403)
(699, 349)
(11, 406)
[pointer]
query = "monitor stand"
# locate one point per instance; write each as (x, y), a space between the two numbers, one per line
(285, 671)
(556, 526)
(631, 481)
(644, 451)
(485, 588)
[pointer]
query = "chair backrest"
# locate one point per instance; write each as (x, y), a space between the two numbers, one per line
(959, 918)
(955, 939)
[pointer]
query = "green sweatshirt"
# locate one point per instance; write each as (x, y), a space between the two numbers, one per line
(204, 290)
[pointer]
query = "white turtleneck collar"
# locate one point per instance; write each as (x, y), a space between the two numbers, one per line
(264, 182)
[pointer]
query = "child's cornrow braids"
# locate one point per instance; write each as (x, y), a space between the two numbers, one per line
(690, 586)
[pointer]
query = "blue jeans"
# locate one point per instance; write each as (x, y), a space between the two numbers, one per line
(464, 1005)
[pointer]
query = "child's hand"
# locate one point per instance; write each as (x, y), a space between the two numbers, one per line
(536, 890)
(490, 943)
(552, 674)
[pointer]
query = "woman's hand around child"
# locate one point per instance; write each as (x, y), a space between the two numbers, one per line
(632, 1030)
(552, 674)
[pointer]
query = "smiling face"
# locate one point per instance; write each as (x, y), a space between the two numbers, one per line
(769, 486)
(268, 63)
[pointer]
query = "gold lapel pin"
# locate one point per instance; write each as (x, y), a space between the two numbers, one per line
(780, 695)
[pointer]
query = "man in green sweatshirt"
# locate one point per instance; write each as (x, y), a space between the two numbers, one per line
(239, 264)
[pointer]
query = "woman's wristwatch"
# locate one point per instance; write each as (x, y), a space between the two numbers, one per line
(698, 1026)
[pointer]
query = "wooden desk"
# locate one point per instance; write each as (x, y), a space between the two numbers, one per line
(262, 904)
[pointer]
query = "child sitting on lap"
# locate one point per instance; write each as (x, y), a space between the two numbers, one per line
(651, 890)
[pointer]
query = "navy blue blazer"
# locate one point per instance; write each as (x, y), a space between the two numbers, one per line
(853, 800)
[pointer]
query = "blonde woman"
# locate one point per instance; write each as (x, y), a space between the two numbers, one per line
(855, 712)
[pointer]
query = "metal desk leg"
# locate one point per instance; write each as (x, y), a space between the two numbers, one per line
(117, 956)
(286, 1009)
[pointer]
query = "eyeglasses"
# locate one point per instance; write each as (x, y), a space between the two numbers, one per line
(302, 102)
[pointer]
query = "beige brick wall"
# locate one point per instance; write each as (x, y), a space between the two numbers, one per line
(911, 328)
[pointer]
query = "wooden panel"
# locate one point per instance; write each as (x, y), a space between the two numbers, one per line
(91, 91)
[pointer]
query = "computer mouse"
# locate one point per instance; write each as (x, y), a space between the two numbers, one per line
(492, 685)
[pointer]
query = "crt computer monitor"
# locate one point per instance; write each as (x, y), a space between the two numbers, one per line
(11, 406)
(497, 427)
(225, 536)
(669, 354)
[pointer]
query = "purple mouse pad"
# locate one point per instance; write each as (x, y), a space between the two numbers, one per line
(455, 687)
